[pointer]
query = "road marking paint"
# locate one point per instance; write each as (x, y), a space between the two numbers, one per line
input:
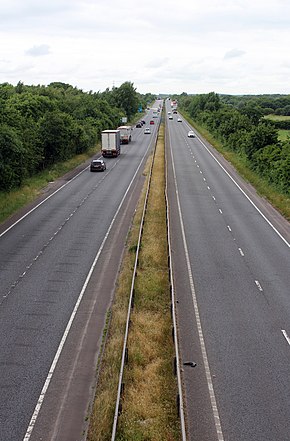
(286, 336)
(76, 307)
(198, 320)
(244, 193)
(258, 285)
(241, 252)
(42, 202)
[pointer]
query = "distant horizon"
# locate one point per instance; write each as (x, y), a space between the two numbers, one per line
(163, 95)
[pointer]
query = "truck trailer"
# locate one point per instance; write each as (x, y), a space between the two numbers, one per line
(111, 141)
(155, 112)
(125, 134)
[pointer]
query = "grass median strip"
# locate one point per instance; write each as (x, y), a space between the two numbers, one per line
(149, 398)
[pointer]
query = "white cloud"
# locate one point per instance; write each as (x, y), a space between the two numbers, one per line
(194, 46)
(38, 51)
(234, 53)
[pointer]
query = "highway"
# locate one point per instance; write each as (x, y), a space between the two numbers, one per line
(231, 267)
(59, 264)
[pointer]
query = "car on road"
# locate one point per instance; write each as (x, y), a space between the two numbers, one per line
(191, 134)
(98, 165)
(138, 126)
(147, 131)
(179, 120)
(152, 122)
(170, 117)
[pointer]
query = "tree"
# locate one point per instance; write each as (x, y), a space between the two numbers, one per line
(12, 158)
(56, 134)
(259, 137)
(253, 111)
(126, 98)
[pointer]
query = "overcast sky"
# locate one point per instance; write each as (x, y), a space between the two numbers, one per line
(162, 46)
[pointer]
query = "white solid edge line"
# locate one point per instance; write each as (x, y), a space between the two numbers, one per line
(66, 332)
(42, 202)
(286, 336)
(198, 320)
(174, 313)
(244, 193)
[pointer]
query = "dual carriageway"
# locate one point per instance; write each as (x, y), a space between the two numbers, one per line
(230, 265)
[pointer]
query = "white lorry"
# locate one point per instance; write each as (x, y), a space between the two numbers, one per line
(111, 142)
(155, 112)
(125, 134)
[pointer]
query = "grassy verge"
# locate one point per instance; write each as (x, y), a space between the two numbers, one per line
(148, 405)
(14, 200)
(280, 201)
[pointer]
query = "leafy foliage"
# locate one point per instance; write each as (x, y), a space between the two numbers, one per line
(40, 125)
(239, 123)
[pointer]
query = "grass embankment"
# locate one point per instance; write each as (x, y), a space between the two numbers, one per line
(12, 201)
(149, 400)
(280, 201)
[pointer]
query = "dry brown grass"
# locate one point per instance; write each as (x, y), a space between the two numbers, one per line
(148, 408)
(149, 399)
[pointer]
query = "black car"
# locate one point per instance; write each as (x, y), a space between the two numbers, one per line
(138, 126)
(98, 165)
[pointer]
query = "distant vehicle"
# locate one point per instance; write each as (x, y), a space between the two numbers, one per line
(191, 134)
(174, 111)
(98, 165)
(179, 120)
(111, 143)
(170, 117)
(169, 113)
(125, 134)
(154, 112)
(147, 131)
(151, 122)
(138, 126)
(143, 122)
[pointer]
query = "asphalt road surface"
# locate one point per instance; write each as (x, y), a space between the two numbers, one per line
(232, 279)
(59, 263)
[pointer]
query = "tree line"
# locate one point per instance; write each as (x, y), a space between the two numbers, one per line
(240, 125)
(41, 125)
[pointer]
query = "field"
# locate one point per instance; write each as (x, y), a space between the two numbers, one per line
(278, 117)
(282, 134)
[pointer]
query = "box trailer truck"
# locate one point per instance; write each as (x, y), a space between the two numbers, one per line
(111, 142)
(125, 134)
